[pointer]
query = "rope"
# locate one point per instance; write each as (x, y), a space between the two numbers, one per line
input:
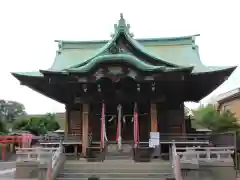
(119, 127)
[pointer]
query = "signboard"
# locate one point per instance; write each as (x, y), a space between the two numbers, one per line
(154, 139)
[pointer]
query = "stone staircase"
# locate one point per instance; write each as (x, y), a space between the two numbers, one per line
(124, 169)
(113, 153)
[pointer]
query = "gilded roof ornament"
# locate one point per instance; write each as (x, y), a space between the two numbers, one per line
(121, 27)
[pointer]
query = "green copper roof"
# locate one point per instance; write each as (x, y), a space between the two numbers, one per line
(174, 53)
(114, 58)
(141, 65)
(181, 40)
(32, 73)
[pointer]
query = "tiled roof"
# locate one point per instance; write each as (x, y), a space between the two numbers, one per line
(224, 96)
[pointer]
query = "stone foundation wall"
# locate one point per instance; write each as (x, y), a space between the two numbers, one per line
(210, 173)
(26, 170)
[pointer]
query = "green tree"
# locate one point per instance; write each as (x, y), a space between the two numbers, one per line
(38, 125)
(208, 117)
(20, 124)
(3, 128)
(11, 110)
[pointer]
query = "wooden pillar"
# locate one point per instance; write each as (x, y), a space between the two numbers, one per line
(154, 123)
(66, 127)
(85, 110)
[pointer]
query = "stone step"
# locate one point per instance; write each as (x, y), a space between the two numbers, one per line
(110, 166)
(118, 153)
(118, 170)
(124, 178)
(124, 161)
(123, 169)
(115, 175)
(119, 157)
(118, 165)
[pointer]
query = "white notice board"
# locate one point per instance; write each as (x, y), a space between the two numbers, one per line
(154, 139)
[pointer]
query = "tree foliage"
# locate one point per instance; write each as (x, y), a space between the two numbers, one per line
(37, 125)
(3, 128)
(208, 117)
(11, 110)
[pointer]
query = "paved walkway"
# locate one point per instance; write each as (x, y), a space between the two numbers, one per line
(7, 165)
(7, 170)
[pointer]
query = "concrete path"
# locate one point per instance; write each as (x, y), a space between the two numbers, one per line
(7, 170)
(7, 165)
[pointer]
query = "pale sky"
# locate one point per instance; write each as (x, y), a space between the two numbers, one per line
(28, 29)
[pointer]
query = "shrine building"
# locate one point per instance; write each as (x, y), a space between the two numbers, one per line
(120, 90)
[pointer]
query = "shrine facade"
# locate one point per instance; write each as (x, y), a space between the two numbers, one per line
(120, 90)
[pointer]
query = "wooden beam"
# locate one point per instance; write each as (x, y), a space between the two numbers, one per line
(154, 122)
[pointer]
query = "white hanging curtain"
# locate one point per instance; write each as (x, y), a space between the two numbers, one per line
(105, 131)
(119, 127)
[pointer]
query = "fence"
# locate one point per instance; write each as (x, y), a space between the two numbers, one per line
(217, 139)
(37, 153)
(205, 154)
(58, 139)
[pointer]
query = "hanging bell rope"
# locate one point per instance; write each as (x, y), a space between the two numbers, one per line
(119, 127)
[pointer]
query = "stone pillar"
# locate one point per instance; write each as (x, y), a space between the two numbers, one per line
(42, 171)
(85, 110)
(66, 128)
(154, 123)
(26, 170)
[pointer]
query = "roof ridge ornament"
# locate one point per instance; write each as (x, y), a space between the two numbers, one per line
(60, 48)
(121, 27)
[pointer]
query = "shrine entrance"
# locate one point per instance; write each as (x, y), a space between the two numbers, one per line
(119, 122)
(124, 114)
(113, 113)
(127, 122)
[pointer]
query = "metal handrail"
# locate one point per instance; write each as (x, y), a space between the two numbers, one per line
(54, 161)
(56, 155)
(176, 166)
